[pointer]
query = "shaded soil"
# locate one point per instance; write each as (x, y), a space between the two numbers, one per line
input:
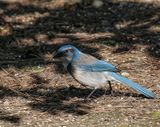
(35, 90)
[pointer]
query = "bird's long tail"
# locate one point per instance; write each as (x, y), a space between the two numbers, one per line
(133, 85)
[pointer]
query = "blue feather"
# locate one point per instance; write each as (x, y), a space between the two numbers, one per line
(133, 85)
(98, 66)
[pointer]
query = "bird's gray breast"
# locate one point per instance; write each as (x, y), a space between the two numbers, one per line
(90, 79)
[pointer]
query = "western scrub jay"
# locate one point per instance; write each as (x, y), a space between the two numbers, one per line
(94, 73)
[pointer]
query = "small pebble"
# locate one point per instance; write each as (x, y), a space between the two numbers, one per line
(109, 105)
(97, 3)
(158, 86)
(125, 74)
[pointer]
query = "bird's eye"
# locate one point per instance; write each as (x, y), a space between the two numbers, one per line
(66, 51)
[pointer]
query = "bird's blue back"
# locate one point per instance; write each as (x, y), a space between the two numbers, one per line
(91, 64)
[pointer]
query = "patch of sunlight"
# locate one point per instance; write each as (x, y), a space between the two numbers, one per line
(41, 37)
(124, 24)
(5, 30)
(97, 3)
(65, 3)
(34, 69)
(87, 36)
(155, 28)
(155, 115)
(27, 19)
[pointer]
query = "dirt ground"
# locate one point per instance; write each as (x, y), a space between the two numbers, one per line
(36, 91)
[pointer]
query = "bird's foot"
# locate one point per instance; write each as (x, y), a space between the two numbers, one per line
(111, 93)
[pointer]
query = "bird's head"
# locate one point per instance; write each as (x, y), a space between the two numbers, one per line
(66, 51)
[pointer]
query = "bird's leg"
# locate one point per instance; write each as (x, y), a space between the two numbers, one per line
(110, 88)
(91, 93)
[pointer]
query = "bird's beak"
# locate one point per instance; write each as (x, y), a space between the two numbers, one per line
(57, 55)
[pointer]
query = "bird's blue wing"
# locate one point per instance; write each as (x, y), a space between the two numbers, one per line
(98, 66)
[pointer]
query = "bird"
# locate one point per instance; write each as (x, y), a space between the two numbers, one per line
(94, 73)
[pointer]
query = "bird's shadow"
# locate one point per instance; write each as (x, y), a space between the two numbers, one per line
(55, 100)
(69, 99)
